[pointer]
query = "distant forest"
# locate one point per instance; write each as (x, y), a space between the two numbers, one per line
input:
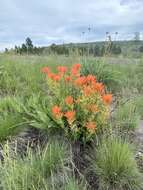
(82, 49)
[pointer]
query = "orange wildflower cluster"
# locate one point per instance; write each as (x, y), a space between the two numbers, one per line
(55, 77)
(89, 85)
(84, 102)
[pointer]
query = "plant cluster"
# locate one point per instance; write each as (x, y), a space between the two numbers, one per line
(80, 104)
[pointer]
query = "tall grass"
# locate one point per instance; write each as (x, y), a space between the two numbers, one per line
(11, 121)
(114, 164)
(127, 117)
(49, 169)
(21, 75)
(104, 72)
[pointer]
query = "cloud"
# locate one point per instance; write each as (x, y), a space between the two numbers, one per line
(58, 21)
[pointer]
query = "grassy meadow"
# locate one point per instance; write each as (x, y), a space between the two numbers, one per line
(41, 152)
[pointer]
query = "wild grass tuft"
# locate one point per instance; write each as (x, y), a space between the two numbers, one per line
(114, 164)
(127, 117)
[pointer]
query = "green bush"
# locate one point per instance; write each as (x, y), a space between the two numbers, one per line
(114, 164)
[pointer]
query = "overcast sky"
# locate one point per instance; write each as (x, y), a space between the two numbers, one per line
(58, 21)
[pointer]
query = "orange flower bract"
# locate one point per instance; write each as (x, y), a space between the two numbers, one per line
(77, 66)
(70, 115)
(91, 79)
(68, 78)
(99, 87)
(56, 78)
(87, 91)
(50, 75)
(80, 81)
(62, 69)
(45, 70)
(56, 111)
(69, 100)
(75, 70)
(107, 98)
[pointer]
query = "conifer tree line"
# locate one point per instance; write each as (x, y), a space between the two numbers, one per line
(28, 48)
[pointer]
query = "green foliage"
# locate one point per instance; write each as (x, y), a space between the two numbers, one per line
(10, 117)
(36, 113)
(114, 164)
(9, 126)
(104, 72)
(9, 104)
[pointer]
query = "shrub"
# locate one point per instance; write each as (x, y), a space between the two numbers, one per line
(114, 164)
(79, 104)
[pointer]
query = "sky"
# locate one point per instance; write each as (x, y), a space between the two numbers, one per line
(66, 21)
